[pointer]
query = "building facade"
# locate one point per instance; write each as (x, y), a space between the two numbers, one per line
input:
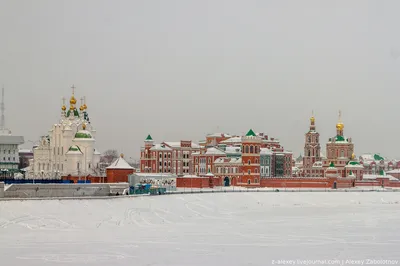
(68, 149)
(9, 147)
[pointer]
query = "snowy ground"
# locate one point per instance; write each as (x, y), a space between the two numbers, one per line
(202, 229)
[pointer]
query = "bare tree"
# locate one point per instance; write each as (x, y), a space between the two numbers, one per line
(109, 156)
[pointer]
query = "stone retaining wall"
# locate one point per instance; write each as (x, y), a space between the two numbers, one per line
(56, 190)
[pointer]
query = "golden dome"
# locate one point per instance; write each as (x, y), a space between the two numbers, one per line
(339, 126)
(81, 108)
(63, 108)
(353, 156)
(84, 106)
(84, 126)
(72, 100)
(71, 107)
(312, 119)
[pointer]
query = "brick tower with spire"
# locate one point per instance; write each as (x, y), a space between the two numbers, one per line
(312, 149)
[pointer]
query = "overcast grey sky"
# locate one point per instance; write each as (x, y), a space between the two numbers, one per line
(182, 69)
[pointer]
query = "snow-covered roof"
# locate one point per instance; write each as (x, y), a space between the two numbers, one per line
(394, 171)
(218, 135)
(228, 160)
(231, 140)
(317, 164)
(265, 151)
(177, 144)
(233, 150)
(160, 147)
(373, 177)
(25, 151)
(214, 151)
(119, 163)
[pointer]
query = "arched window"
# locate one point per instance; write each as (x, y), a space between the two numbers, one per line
(248, 181)
(249, 172)
(251, 149)
(309, 153)
(249, 162)
(342, 153)
(256, 180)
(256, 161)
(256, 171)
(257, 149)
(247, 149)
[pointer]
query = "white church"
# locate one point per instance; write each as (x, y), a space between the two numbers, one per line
(68, 149)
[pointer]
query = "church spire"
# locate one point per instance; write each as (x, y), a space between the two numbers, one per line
(72, 101)
(312, 122)
(340, 125)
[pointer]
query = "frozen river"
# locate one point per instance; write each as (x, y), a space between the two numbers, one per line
(202, 229)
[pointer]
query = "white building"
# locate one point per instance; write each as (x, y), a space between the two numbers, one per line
(68, 149)
(9, 151)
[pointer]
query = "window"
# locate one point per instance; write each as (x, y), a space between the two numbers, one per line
(251, 149)
(247, 149)
(256, 180)
(249, 162)
(9, 158)
(249, 172)
(256, 161)
(257, 151)
(248, 181)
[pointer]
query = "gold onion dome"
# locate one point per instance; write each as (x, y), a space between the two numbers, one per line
(82, 108)
(72, 100)
(63, 108)
(340, 126)
(312, 119)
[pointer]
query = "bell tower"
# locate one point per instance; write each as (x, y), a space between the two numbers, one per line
(312, 148)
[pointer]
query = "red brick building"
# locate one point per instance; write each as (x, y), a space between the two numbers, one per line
(119, 170)
(182, 159)
(203, 162)
(229, 170)
(251, 145)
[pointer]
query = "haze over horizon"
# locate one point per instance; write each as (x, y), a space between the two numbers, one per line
(181, 69)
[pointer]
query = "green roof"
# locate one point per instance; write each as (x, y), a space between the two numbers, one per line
(76, 113)
(74, 148)
(381, 172)
(250, 133)
(351, 172)
(83, 135)
(354, 163)
(149, 137)
(332, 164)
(339, 138)
(377, 157)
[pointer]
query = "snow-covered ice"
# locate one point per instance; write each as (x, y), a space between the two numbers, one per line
(201, 229)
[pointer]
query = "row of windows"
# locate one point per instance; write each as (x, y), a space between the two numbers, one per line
(9, 151)
(9, 159)
(251, 149)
